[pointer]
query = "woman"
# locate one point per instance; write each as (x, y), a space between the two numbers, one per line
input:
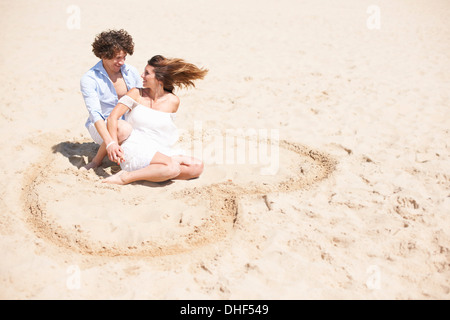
(147, 154)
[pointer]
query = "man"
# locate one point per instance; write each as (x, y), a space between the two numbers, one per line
(104, 84)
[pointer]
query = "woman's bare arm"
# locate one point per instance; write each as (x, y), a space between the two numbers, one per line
(115, 152)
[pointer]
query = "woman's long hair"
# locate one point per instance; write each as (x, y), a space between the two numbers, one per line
(174, 72)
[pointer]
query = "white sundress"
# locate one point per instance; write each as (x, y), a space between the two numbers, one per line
(153, 131)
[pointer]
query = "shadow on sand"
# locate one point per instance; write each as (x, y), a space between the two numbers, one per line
(81, 153)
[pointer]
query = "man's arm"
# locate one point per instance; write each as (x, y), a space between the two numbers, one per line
(92, 101)
(91, 98)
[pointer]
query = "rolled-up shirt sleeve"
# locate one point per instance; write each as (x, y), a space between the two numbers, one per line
(91, 99)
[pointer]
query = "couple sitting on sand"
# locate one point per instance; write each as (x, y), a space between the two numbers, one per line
(132, 119)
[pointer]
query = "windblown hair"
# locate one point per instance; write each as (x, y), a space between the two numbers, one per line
(108, 43)
(175, 72)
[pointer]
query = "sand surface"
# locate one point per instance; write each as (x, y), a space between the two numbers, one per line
(323, 125)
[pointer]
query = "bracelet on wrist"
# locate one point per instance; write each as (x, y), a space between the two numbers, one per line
(109, 144)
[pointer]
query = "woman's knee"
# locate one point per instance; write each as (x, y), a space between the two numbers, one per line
(194, 170)
(173, 169)
(198, 168)
(123, 130)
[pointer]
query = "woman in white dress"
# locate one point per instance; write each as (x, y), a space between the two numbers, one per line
(147, 153)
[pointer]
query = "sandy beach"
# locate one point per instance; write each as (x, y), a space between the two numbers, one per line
(323, 126)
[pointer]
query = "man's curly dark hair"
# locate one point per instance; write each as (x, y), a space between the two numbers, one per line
(108, 43)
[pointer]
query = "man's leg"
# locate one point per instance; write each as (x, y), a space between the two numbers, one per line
(98, 159)
(123, 132)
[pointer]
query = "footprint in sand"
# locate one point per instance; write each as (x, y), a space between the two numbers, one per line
(73, 209)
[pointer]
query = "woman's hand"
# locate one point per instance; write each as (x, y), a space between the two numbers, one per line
(115, 153)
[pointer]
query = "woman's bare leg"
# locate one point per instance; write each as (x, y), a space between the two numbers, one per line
(190, 167)
(161, 168)
(123, 132)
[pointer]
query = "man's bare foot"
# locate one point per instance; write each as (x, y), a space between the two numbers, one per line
(115, 178)
(91, 165)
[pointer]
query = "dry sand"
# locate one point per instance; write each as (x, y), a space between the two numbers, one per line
(358, 204)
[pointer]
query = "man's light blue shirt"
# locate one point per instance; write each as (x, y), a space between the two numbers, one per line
(99, 93)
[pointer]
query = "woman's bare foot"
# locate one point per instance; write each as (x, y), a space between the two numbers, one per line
(115, 178)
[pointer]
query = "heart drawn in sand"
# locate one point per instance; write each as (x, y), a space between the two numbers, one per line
(146, 219)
